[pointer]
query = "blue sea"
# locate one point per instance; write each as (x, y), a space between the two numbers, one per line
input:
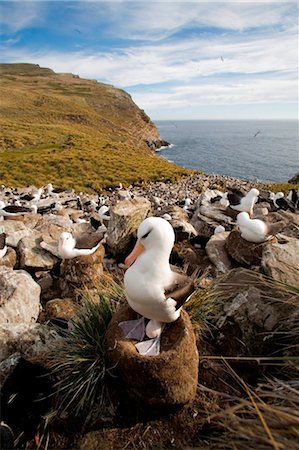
(262, 150)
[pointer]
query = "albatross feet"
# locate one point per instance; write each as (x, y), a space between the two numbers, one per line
(133, 329)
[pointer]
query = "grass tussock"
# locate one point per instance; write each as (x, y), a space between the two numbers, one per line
(267, 417)
(78, 363)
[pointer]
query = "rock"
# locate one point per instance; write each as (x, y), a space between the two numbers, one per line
(30, 341)
(214, 213)
(157, 385)
(292, 228)
(45, 281)
(180, 222)
(281, 261)
(250, 311)
(294, 179)
(19, 297)
(32, 256)
(15, 231)
(206, 197)
(81, 272)
(51, 226)
(245, 252)
(125, 218)
(10, 259)
(217, 253)
(203, 227)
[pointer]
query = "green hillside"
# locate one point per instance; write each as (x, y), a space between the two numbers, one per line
(73, 132)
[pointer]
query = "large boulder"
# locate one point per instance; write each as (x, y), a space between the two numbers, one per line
(125, 218)
(168, 379)
(32, 256)
(19, 297)
(281, 260)
(15, 231)
(294, 179)
(51, 226)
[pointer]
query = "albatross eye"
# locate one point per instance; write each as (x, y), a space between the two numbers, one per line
(146, 235)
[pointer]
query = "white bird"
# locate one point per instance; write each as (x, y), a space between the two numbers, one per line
(243, 203)
(69, 247)
(152, 288)
(256, 230)
(15, 210)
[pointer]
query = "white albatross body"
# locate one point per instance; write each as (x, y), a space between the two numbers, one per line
(150, 283)
(150, 275)
(68, 247)
(253, 230)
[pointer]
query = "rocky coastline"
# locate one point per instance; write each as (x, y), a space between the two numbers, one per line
(39, 289)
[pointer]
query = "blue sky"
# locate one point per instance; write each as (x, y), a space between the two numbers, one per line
(178, 59)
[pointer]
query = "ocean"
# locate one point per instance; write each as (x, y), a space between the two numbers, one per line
(263, 150)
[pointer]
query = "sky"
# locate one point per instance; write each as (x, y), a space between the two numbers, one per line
(178, 59)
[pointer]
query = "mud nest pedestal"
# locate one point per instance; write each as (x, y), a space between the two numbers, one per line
(168, 379)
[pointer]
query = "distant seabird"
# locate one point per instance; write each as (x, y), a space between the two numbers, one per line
(69, 247)
(243, 203)
(256, 230)
(3, 247)
(33, 196)
(280, 202)
(14, 210)
(258, 132)
(293, 196)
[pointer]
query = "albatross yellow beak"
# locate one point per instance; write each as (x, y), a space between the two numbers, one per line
(137, 250)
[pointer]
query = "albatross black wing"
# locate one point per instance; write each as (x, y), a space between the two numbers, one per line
(181, 289)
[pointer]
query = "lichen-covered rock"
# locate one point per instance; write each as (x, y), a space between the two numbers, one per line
(15, 231)
(167, 379)
(245, 252)
(125, 218)
(19, 297)
(217, 253)
(281, 260)
(51, 226)
(81, 272)
(32, 256)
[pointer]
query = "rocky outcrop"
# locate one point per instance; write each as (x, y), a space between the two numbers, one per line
(19, 297)
(217, 253)
(281, 260)
(125, 218)
(294, 179)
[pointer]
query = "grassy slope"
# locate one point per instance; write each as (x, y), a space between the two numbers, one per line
(72, 132)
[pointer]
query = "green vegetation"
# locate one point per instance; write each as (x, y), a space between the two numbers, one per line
(78, 363)
(74, 133)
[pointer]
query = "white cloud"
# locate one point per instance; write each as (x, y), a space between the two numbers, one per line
(17, 15)
(181, 62)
